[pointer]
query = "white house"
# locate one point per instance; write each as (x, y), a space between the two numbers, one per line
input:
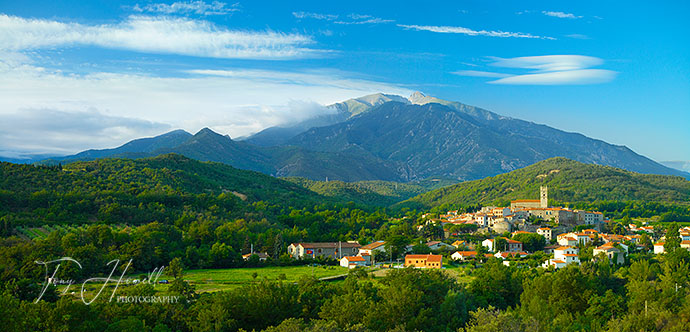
(563, 256)
(566, 254)
(545, 232)
(463, 255)
(512, 245)
(556, 263)
(659, 248)
(353, 261)
(567, 240)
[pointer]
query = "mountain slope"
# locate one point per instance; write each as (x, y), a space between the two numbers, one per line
(438, 140)
(679, 165)
(342, 111)
(378, 193)
(137, 147)
(567, 180)
(207, 145)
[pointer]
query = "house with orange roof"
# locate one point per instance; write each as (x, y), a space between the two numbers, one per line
(685, 244)
(567, 240)
(545, 232)
(354, 261)
(567, 254)
(376, 246)
(563, 256)
(424, 261)
(659, 248)
(556, 263)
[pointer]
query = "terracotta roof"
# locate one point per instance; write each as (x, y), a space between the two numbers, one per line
(435, 258)
(563, 248)
(558, 261)
(570, 255)
(327, 244)
(466, 253)
(354, 259)
(373, 245)
(429, 258)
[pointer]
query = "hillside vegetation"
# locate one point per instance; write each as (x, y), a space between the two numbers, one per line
(567, 180)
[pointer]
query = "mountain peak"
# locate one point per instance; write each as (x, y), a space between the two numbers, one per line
(208, 132)
(416, 97)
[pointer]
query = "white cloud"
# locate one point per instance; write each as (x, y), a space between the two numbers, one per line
(57, 131)
(121, 107)
(577, 36)
(325, 17)
(154, 35)
(470, 32)
(549, 62)
(548, 70)
(347, 20)
(189, 7)
(560, 14)
(567, 77)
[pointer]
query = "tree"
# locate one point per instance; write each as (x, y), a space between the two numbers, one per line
(672, 238)
(646, 242)
(530, 242)
(175, 268)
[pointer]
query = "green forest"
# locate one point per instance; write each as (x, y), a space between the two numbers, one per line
(184, 214)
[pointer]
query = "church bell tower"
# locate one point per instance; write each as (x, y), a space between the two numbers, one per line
(544, 197)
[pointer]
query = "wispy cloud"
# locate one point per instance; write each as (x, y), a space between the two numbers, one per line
(59, 131)
(577, 36)
(189, 7)
(316, 16)
(548, 70)
(560, 14)
(121, 107)
(470, 32)
(146, 34)
(344, 20)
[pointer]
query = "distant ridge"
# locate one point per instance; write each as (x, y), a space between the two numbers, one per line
(391, 138)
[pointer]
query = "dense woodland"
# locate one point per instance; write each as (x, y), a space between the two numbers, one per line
(205, 215)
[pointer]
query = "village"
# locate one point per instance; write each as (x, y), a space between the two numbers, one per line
(509, 233)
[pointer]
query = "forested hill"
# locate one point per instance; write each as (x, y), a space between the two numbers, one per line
(375, 193)
(567, 180)
(124, 188)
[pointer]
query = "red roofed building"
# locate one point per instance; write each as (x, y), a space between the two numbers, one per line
(354, 261)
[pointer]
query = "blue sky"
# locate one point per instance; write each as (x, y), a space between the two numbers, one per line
(94, 74)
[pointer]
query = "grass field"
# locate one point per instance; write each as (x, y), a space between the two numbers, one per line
(212, 280)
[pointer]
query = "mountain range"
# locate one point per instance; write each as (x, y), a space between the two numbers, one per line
(392, 138)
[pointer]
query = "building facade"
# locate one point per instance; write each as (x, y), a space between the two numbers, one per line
(335, 250)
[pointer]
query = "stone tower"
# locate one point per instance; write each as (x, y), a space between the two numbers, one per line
(544, 197)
